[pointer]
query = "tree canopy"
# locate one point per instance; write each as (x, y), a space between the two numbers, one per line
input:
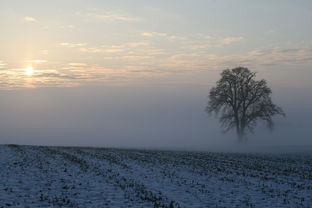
(242, 101)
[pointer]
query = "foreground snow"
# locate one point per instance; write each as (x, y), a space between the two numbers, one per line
(87, 177)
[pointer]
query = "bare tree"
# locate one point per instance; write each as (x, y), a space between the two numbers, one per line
(242, 101)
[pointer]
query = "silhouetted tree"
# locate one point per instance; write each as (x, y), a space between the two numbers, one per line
(242, 101)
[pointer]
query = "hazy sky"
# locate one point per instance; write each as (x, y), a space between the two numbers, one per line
(137, 73)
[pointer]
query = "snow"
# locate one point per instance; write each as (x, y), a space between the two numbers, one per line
(38, 176)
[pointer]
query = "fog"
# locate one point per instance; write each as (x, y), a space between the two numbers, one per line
(142, 116)
(137, 74)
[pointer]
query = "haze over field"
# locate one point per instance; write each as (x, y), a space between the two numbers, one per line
(137, 73)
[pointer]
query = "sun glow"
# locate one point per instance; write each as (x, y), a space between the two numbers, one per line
(29, 70)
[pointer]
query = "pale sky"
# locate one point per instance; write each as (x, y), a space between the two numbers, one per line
(78, 42)
(172, 48)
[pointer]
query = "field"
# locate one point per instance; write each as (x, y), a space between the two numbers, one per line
(34, 176)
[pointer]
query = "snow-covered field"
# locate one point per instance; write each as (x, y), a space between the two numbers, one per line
(33, 176)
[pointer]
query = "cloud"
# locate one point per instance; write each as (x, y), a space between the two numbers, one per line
(54, 74)
(279, 56)
(130, 66)
(165, 35)
(195, 41)
(101, 50)
(37, 61)
(2, 64)
(17, 78)
(126, 47)
(203, 42)
(107, 16)
(72, 45)
(135, 44)
(45, 52)
(153, 34)
(67, 26)
(77, 64)
(253, 58)
(136, 57)
(230, 40)
(29, 19)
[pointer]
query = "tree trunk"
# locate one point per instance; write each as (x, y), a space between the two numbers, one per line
(241, 137)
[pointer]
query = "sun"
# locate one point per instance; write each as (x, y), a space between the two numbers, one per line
(29, 70)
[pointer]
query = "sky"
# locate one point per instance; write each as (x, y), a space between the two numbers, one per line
(137, 73)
